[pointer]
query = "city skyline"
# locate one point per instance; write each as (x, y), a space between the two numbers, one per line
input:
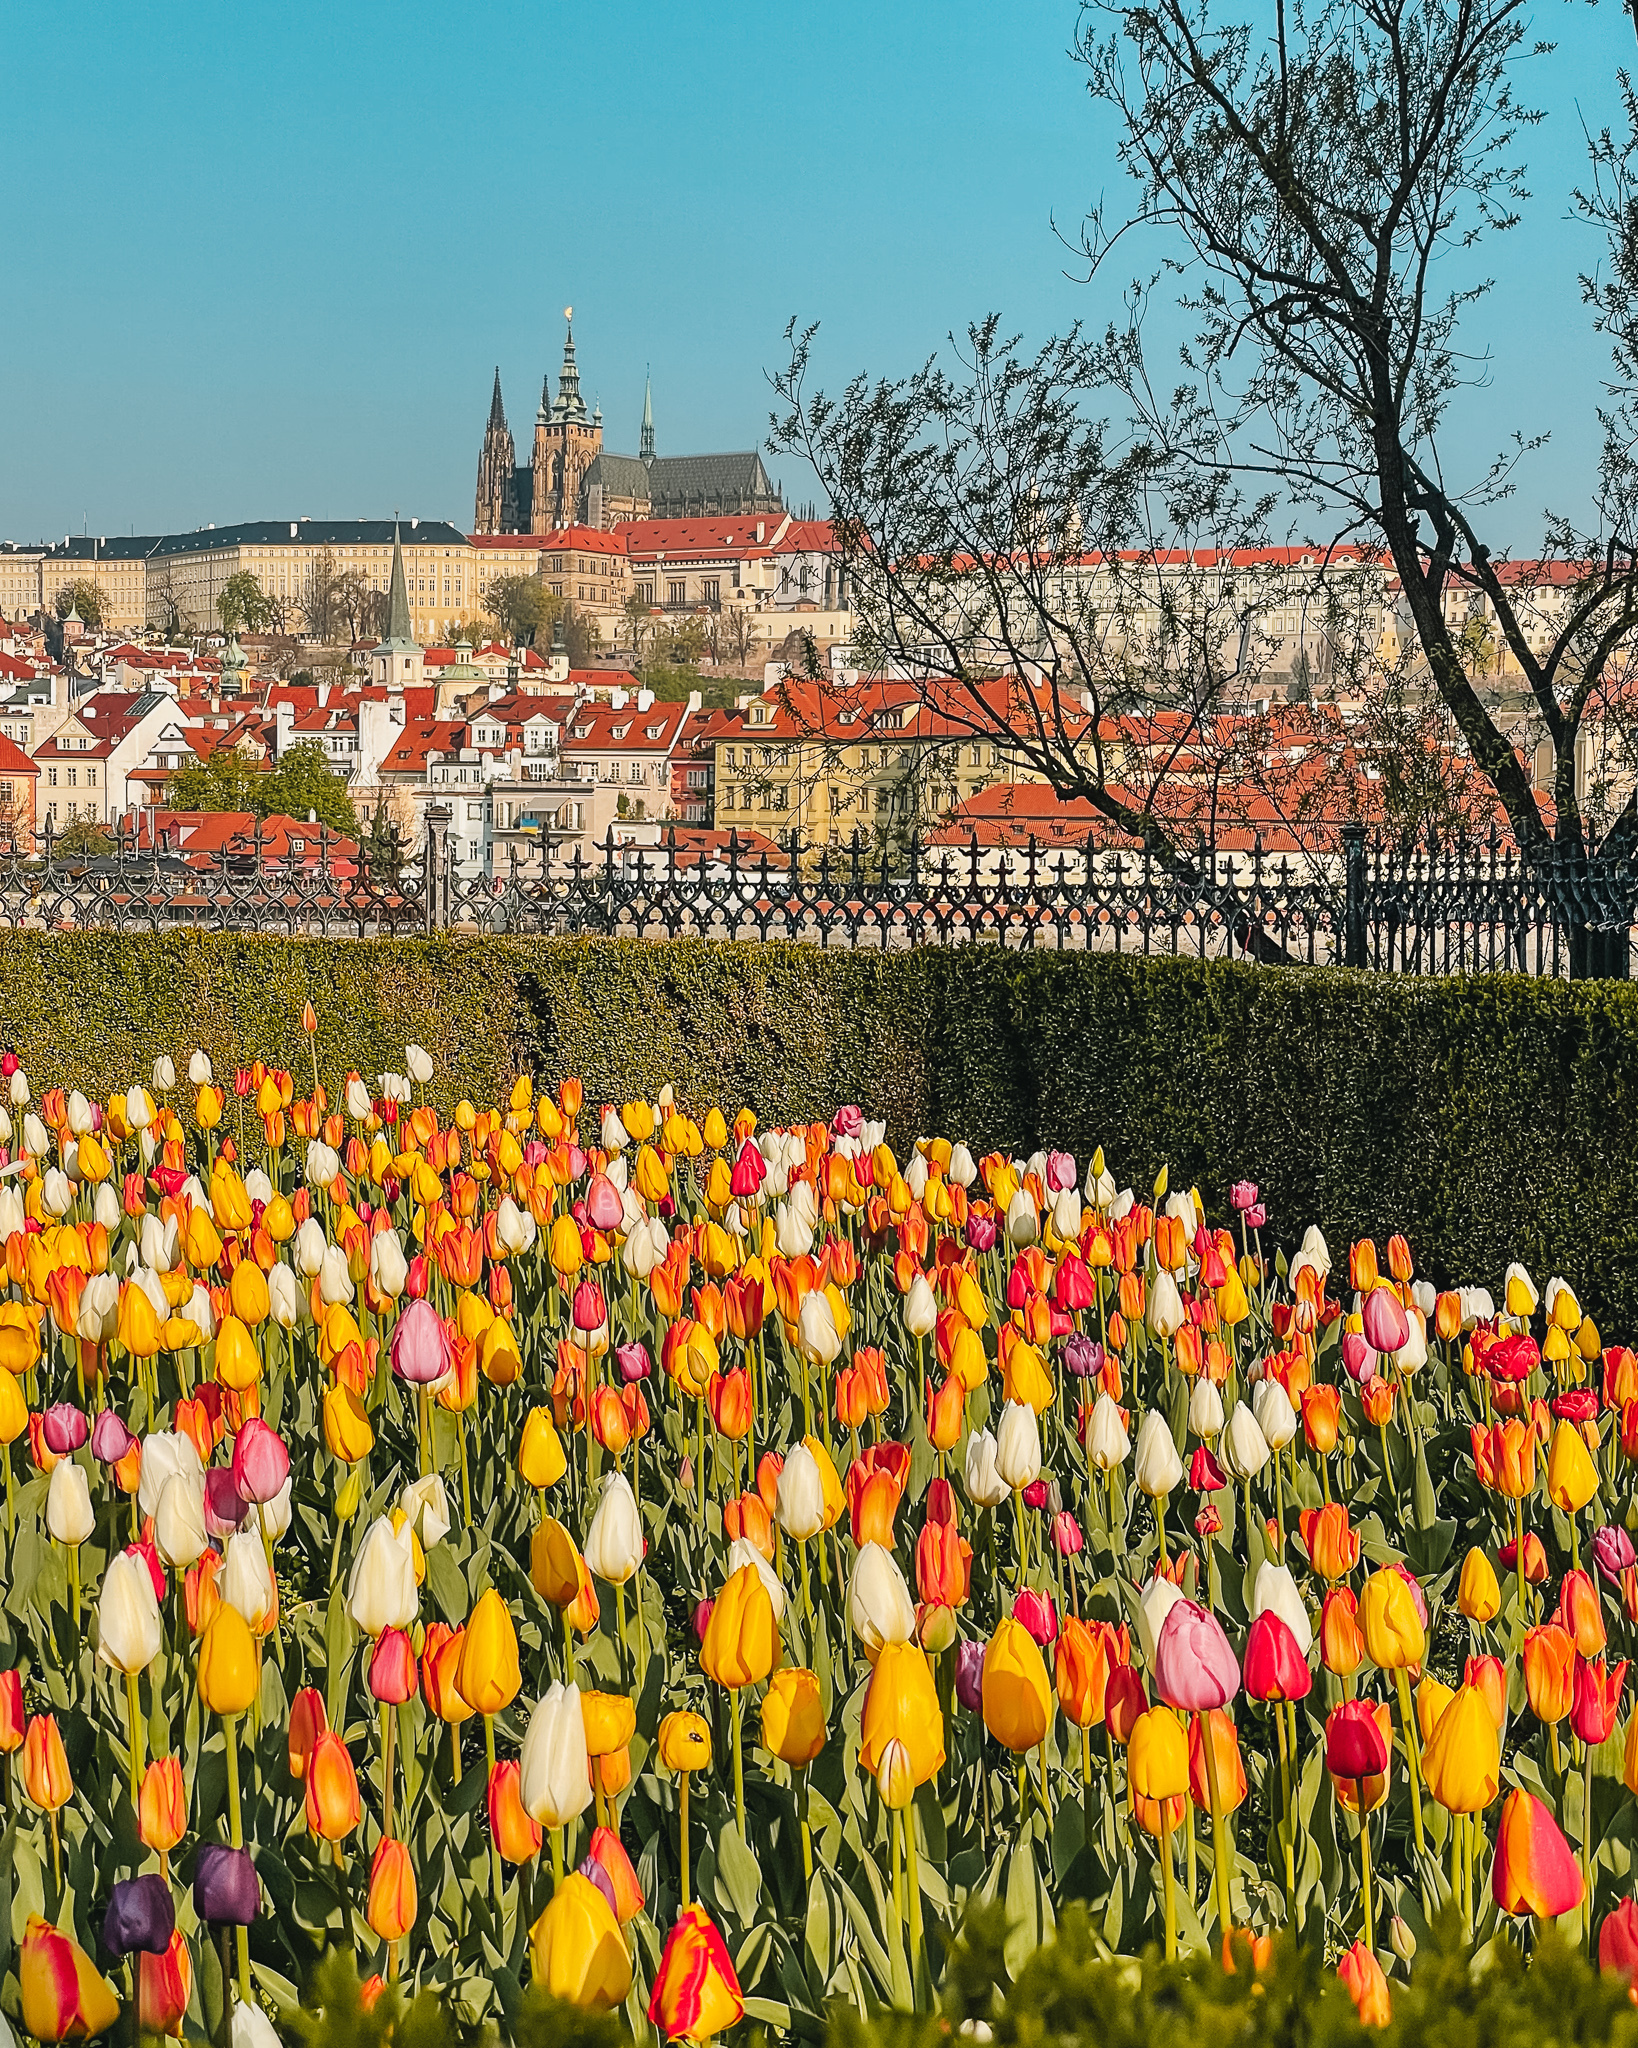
(275, 275)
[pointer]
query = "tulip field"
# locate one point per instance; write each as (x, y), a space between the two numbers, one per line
(686, 1566)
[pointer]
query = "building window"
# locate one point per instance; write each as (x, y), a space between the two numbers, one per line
(711, 590)
(676, 593)
(51, 778)
(645, 593)
(91, 778)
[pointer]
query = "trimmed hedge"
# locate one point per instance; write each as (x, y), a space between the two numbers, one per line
(1488, 1118)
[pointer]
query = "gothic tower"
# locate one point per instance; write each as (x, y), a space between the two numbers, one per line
(567, 439)
(645, 446)
(496, 508)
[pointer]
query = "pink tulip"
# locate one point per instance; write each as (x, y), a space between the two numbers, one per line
(590, 1309)
(225, 1506)
(1387, 1328)
(1195, 1667)
(1037, 1613)
(261, 1464)
(110, 1439)
(604, 1208)
(1613, 1553)
(420, 1345)
(1243, 1195)
(1358, 1359)
(1060, 1172)
(64, 1428)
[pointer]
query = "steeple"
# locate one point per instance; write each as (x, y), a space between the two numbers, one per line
(570, 405)
(645, 446)
(399, 636)
(497, 411)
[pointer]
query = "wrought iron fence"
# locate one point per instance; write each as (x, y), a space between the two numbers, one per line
(1426, 910)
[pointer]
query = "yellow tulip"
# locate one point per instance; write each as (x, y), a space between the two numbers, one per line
(901, 1705)
(1461, 1764)
(1157, 1756)
(347, 1429)
(1478, 1595)
(576, 1948)
(741, 1643)
(489, 1679)
(1394, 1635)
(1017, 1693)
(541, 1459)
(248, 1292)
(238, 1365)
(227, 1662)
(1572, 1477)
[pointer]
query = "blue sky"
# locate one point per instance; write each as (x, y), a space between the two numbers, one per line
(262, 261)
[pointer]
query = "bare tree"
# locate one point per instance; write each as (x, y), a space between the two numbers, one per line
(320, 598)
(1315, 180)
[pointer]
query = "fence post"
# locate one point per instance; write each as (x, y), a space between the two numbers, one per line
(1353, 915)
(437, 866)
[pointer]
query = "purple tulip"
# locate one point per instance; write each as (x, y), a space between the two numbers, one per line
(633, 1361)
(980, 1231)
(225, 1506)
(969, 1676)
(226, 1890)
(261, 1464)
(1083, 1355)
(1613, 1553)
(141, 1915)
(420, 1346)
(848, 1121)
(1243, 1195)
(1195, 1667)
(591, 1868)
(65, 1429)
(110, 1439)
(604, 1208)
(1060, 1171)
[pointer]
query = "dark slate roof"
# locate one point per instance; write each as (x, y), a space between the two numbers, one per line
(710, 480)
(621, 476)
(117, 547)
(318, 532)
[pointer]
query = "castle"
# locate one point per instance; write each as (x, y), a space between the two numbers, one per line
(571, 479)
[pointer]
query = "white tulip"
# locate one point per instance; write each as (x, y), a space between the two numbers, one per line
(614, 1542)
(879, 1607)
(1205, 1408)
(79, 1114)
(1122, 1206)
(1023, 1224)
(381, 1588)
(419, 1062)
(13, 1216)
(1165, 1315)
(164, 1454)
(646, 1247)
(915, 1177)
(1477, 1306)
(200, 1071)
(359, 1104)
(68, 1503)
(56, 1195)
(129, 1630)
(1276, 1417)
(251, 2026)
(799, 1497)
(164, 1072)
(99, 1308)
(816, 1324)
(920, 1309)
(180, 1536)
(514, 1227)
(198, 1311)
(335, 1281)
(1425, 1295)
(1274, 1588)
(284, 1298)
(985, 1486)
(18, 1089)
(1157, 1468)
(321, 1165)
(105, 1207)
(389, 1269)
(246, 1583)
(427, 1505)
(554, 1772)
(310, 1248)
(793, 1229)
(35, 1138)
(1245, 1448)
(1107, 1444)
(139, 1108)
(1412, 1355)
(1066, 1215)
(963, 1172)
(1018, 1446)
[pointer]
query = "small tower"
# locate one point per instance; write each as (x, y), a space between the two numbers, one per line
(396, 664)
(567, 440)
(645, 445)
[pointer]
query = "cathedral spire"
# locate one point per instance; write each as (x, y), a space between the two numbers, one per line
(645, 446)
(570, 405)
(497, 411)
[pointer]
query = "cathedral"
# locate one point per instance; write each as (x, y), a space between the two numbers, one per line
(571, 479)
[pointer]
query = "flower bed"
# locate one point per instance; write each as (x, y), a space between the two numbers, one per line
(684, 1567)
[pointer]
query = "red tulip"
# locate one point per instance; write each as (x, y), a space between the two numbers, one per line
(1535, 1869)
(1275, 1669)
(1355, 1746)
(1597, 1702)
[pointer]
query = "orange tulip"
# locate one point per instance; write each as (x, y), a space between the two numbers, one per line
(515, 1835)
(1332, 1545)
(1231, 1769)
(1362, 1974)
(46, 1776)
(729, 1397)
(1535, 1869)
(1342, 1641)
(162, 1805)
(393, 1900)
(164, 1987)
(64, 1997)
(1504, 1456)
(333, 1806)
(1321, 1413)
(1548, 1656)
(696, 1993)
(308, 1722)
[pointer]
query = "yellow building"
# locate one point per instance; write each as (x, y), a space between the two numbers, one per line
(31, 578)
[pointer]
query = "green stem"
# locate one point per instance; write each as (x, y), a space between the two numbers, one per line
(1219, 1825)
(495, 1877)
(236, 1835)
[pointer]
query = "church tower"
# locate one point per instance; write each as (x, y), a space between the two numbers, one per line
(496, 507)
(567, 440)
(645, 446)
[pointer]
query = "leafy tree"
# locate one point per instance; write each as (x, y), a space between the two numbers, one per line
(81, 839)
(521, 606)
(223, 781)
(242, 605)
(305, 781)
(83, 596)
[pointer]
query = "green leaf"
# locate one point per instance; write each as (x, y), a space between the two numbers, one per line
(740, 1871)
